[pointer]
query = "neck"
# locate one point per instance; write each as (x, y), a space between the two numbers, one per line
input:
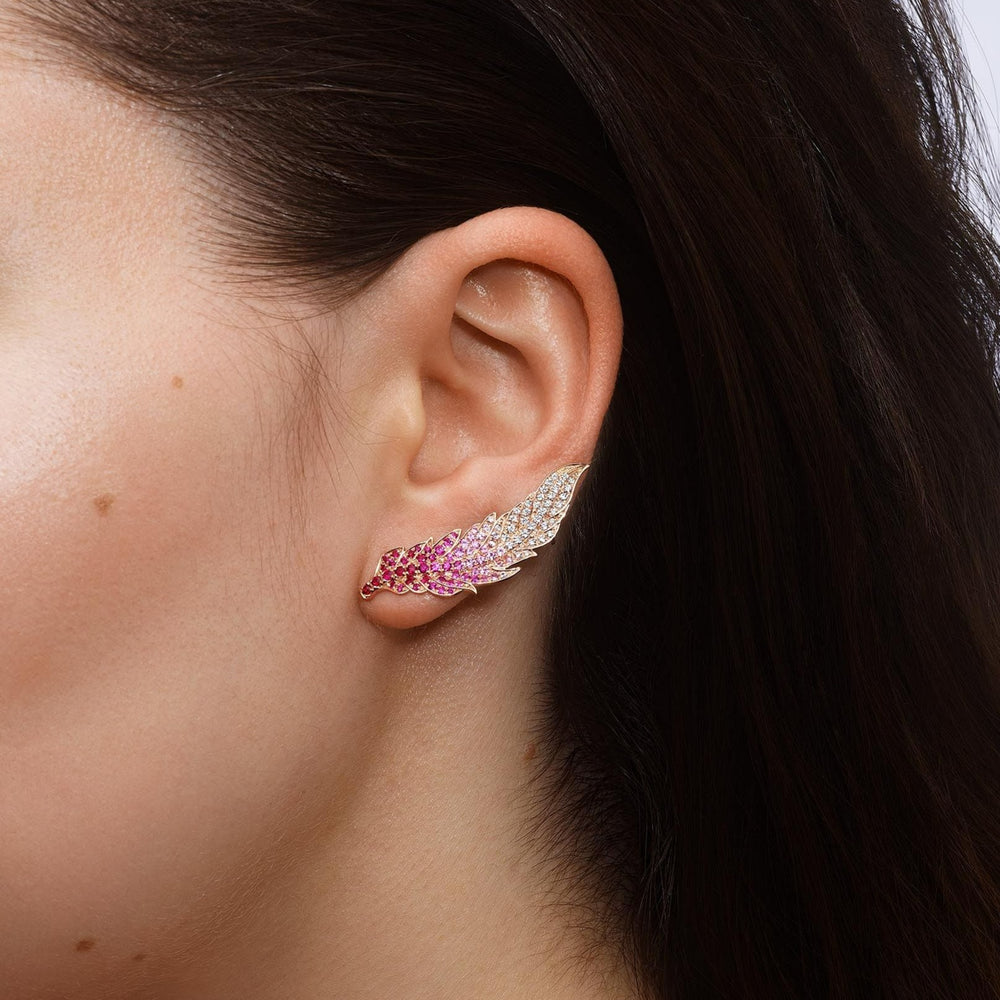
(425, 883)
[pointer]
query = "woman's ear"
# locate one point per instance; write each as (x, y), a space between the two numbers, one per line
(497, 352)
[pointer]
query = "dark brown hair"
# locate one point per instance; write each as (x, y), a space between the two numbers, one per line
(773, 699)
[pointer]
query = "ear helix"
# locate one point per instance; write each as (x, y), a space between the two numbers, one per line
(486, 552)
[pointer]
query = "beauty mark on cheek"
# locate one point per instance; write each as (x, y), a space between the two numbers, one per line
(103, 503)
(177, 382)
(85, 944)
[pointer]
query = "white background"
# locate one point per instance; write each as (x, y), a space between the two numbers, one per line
(979, 23)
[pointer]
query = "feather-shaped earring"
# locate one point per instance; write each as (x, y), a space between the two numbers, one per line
(486, 552)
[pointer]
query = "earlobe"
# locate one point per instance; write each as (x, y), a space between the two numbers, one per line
(510, 355)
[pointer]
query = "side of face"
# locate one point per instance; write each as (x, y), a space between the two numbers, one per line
(166, 705)
(195, 703)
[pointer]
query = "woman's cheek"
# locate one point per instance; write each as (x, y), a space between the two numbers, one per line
(106, 485)
(132, 589)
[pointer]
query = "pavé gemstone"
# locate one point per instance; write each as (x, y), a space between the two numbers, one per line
(486, 553)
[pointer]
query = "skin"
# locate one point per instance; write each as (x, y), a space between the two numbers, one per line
(222, 773)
